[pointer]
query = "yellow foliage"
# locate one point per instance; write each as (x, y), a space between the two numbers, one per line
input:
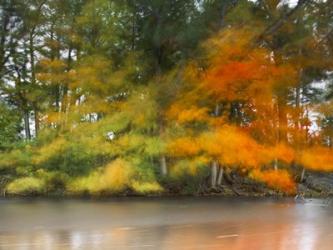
(53, 72)
(130, 142)
(182, 114)
(189, 166)
(141, 108)
(53, 148)
(116, 177)
(90, 184)
(94, 104)
(93, 75)
(26, 185)
(146, 187)
(54, 65)
(54, 117)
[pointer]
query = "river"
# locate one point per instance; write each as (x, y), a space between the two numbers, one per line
(172, 223)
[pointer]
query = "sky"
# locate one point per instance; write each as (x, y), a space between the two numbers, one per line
(291, 3)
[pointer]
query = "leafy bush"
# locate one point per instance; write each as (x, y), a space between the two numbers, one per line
(10, 124)
(116, 177)
(70, 157)
(146, 187)
(55, 181)
(26, 186)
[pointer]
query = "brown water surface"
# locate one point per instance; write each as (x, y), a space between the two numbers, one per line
(182, 223)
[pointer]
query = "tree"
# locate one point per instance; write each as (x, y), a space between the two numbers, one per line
(11, 127)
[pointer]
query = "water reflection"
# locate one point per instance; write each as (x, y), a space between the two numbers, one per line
(185, 224)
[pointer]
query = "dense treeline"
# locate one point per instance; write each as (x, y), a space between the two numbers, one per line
(110, 96)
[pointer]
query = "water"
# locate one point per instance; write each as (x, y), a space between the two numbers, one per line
(185, 223)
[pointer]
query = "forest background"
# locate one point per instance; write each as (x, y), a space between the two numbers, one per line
(137, 97)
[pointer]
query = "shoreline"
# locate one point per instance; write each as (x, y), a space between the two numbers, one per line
(313, 187)
(251, 195)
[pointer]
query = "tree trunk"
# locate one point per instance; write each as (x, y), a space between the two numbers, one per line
(36, 123)
(282, 120)
(163, 166)
(214, 168)
(215, 164)
(235, 115)
(276, 164)
(27, 125)
(220, 177)
(33, 76)
(302, 175)
(133, 28)
(32, 57)
(4, 31)
(223, 11)
(65, 102)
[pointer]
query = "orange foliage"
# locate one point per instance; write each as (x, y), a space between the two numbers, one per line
(277, 179)
(317, 158)
(231, 146)
(281, 152)
(183, 147)
(184, 115)
(231, 80)
(239, 71)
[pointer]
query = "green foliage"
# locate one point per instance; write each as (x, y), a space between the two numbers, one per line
(189, 167)
(55, 181)
(19, 158)
(104, 27)
(184, 180)
(10, 125)
(242, 14)
(76, 157)
(154, 146)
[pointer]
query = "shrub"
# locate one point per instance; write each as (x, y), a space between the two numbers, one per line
(146, 187)
(26, 186)
(70, 157)
(116, 177)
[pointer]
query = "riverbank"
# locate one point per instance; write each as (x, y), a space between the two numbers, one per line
(221, 191)
(315, 185)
